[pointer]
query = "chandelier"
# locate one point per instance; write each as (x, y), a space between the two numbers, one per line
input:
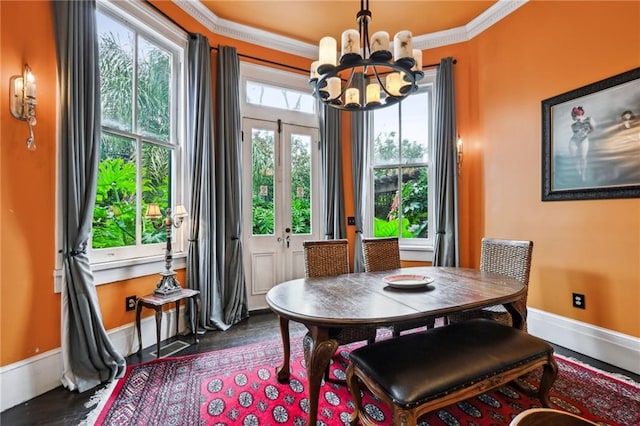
(385, 78)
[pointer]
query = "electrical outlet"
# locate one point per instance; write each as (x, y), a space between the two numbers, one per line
(130, 302)
(578, 301)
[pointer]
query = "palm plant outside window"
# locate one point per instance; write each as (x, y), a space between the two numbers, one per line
(138, 139)
(400, 169)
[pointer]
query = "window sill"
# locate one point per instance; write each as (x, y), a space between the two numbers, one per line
(108, 272)
(416, 253)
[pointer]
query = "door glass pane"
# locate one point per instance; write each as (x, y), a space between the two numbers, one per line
(415, 128)
(116, 73)
(262, 177)
(156, 163)
(301, 184)
(153, 96)
(114, 216)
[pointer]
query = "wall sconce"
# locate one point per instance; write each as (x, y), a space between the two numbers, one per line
(459, 151)
(168, 284)
(22, 99)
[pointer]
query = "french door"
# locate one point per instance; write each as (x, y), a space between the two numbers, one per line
(280, 201)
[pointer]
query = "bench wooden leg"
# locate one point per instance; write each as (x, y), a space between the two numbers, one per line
(549, 373)
(356, 394)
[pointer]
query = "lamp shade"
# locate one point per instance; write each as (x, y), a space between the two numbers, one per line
(153, 211)
(180, 211)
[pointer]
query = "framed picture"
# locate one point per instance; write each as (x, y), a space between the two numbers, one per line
(591, 141)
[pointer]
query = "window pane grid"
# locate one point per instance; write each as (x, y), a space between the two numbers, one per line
(138, 141)
(400, 168)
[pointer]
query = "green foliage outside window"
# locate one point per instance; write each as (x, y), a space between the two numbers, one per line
(410, 203)
(301, 178)
(262, 169)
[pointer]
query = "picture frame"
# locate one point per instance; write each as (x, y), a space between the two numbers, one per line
(591, 141)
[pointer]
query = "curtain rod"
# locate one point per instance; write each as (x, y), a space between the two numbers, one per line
(192, 35)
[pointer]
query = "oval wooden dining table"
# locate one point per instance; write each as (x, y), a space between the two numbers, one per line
(365, 299)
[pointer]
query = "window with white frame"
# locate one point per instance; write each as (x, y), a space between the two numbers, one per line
(141, 67)
(400, 169)
(140, 142)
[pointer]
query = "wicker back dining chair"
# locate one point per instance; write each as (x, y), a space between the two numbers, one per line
(383, 254)
(380, 254)
(512, 259)
(325, 258)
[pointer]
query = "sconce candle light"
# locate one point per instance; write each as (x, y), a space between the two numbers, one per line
(168, 284)
(22, 100)
(459, 151)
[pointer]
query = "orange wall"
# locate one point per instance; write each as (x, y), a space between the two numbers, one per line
(591, 247)
(30, 311)
(498, 106)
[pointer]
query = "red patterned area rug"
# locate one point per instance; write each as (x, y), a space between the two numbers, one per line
(238, 387)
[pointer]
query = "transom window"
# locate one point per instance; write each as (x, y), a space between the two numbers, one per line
(267, 95)
(400, 140)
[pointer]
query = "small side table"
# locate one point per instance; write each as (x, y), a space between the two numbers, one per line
(156, 302)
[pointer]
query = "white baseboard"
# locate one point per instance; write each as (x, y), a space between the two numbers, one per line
(605, 345)
(26, 379)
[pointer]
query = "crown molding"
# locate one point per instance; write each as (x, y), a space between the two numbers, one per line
(226, 28)
(492, 15)
(245, 33)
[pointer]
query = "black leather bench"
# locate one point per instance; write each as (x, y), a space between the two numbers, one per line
(422, 372)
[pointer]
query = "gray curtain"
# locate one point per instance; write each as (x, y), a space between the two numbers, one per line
(359, 143)
(202, 269)
(332, 178)
(228, 178)
(445, 185)
(89, 357)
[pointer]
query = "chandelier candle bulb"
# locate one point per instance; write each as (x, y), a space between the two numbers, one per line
(373, 93)
(351, 42)
(333, 87)
(328, 49)
(352, 97)
(402, 45)
(380, 42)
(314, 70)
(394, 82)
(417, 56)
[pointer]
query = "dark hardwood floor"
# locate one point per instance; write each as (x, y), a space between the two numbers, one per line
(62, 407)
